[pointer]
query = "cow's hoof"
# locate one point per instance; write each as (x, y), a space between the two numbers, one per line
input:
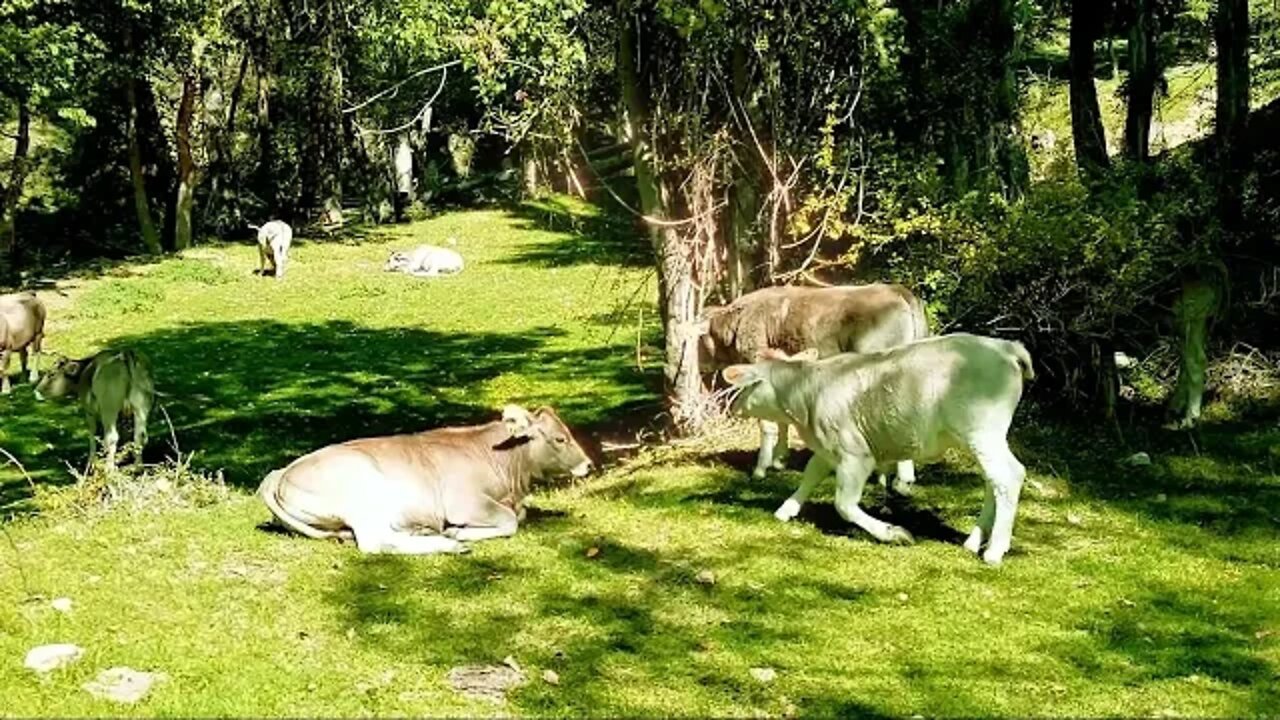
(787, 511)
(779, 465)
(994, 559)
(903, 489)
(757, 474)
(974, 543)
(899, 536)
(460, 549)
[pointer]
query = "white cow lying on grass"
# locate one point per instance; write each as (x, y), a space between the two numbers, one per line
(861, 412)
(426, 261)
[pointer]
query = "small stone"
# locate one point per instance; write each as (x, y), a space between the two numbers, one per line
(123, 685)
(351, 633)
(46, 658)
(764, 674)
(1075, 519)
(550, 677)
(62, 604)
(593, 551)
(903, 597)
(705, 577)
(1138, 459)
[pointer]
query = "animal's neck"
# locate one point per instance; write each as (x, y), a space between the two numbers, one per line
(514, 465)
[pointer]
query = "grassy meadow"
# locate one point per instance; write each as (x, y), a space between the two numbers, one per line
(652, 588)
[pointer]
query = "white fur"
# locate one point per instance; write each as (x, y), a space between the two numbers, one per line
(862, 412)
(274, 241)
(426, 261)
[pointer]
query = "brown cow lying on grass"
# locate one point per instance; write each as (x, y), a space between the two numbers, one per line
(108, 385)
(426, 492)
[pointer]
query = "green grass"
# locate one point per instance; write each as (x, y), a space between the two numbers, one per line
(1128, 592)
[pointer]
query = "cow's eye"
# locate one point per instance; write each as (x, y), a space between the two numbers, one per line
(561, 440)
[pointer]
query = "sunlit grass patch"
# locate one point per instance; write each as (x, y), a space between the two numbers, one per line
(662, 586)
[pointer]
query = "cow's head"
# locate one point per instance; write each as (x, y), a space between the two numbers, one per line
(757, 393)
(712, 350)
(397, 262)
(61, 380)
(552, 448)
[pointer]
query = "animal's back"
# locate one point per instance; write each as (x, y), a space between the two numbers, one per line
(22, 317)
(861, 318)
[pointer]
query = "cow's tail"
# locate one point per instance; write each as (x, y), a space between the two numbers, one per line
(919, 319)
(269, 492)
(1023, 360)
(254, 227)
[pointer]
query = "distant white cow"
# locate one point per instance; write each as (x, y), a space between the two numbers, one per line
(863, 411)
(426, 261)
(274, 239)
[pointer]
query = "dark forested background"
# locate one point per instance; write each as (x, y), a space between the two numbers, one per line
(1089, 177)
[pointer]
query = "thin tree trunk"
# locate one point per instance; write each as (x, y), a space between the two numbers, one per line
(679, 302)
(1231, 35)
(264, 182)
(748, 176)
(17, 179)
(146, 223)
(1087, 131)
(1144, 71)
(186, 163)
(322, 184)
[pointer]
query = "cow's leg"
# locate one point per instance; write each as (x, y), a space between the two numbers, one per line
(768, 441)
(904, 484)
(37, 343)
(282, 258)
(91, 419)
(4, 371)
(473, 516)
(376, 533)
(262, 259)
(982, 529)
(110, 436)
(1005, 475)
(395, 542)
(782, 447)
(484, 521)
(141, 410)
(814, 471)
(851, 479)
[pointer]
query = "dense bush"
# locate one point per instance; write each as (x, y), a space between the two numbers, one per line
(1072, 271)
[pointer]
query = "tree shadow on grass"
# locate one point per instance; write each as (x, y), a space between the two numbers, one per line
(586, 234)
(608, 604)
(250, 396)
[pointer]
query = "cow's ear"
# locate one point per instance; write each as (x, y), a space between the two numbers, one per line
(517, 420)
(772, 354)
(738, 375)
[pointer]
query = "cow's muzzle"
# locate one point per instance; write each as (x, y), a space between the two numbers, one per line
(581, 470)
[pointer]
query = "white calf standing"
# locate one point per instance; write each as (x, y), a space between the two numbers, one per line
(860, 412)
(274, 239)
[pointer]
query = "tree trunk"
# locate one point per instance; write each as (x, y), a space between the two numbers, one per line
(264, 181)
(186, 163)
(146, 223)
(322, 165)
(1144, 71)
(17, 179)
(1087, 131)
(1231, 35)
(743, 246)
(402, 169)
(679, 302)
